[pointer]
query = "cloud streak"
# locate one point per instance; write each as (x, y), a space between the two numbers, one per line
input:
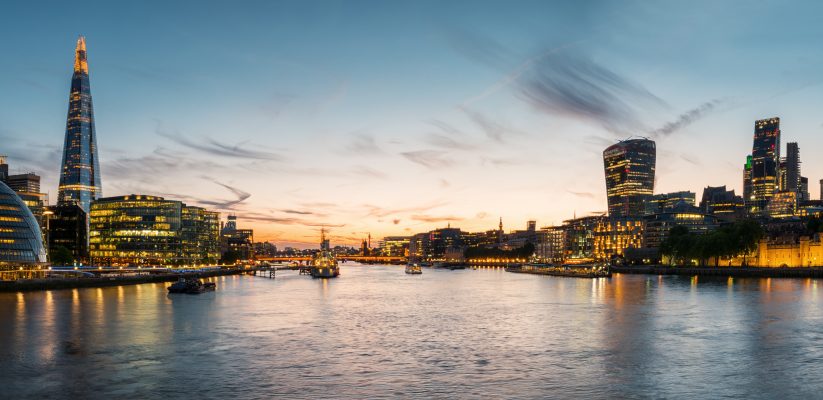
(213, 147)
(687, 118)
(431, 159)
(573, 85)
(563, 82)
(432, 218)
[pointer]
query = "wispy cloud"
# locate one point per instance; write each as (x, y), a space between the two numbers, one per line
(565, 82)
(363, 170)
(297, 212)
(380, 212)
(587, 195)
(687, 118)
(363, 143)
(690, 159)
(433, 218)
(445, 142)
(213, 147)
(571, 84)
(429, 158)
(227, 204)
(492, 129)
(500, 162)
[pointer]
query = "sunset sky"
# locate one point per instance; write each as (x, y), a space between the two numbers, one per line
(396, 117)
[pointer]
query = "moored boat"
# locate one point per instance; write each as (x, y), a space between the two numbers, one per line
(191, 286)
(413, 269)
(324, 264)
(566, 270)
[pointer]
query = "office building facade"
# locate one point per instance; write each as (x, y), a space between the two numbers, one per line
(630, 167)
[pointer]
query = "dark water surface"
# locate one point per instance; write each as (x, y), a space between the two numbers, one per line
(376, 332)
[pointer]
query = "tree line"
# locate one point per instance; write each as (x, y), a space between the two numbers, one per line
(482, 252)
(730, 240)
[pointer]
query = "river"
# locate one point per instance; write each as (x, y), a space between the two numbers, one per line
(376, 332)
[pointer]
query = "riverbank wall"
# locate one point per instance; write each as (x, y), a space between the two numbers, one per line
(742, 272)
(105, 281)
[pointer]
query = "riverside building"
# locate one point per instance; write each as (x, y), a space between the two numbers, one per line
(145, 230)
(20, 239)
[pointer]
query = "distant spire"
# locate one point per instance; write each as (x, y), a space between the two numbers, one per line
(80, 63)
(501, 224)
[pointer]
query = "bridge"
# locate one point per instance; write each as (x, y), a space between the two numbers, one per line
(360, 259)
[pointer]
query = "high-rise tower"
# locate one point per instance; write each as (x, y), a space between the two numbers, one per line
(629, 166)
(792, 173)
(765, 162)
(80, 170)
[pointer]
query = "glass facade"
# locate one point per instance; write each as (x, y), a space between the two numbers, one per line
(150, 230)
(135, 230)
(200, 235)
(68, 228)
(80, 169)
(765, 163)
(613, 236)
(20, 240)
(629, 167)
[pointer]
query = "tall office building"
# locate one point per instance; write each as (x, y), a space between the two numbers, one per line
(80, 170)
(4, 168)
(629, 167)
(747, 179)
(792, 168)
(765, 162)
(803, 191)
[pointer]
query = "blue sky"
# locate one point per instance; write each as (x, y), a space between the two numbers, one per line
(399, 117)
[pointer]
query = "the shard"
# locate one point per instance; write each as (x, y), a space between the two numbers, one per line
(80, 170)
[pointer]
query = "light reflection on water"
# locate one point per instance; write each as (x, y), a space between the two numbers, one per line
(376, 331)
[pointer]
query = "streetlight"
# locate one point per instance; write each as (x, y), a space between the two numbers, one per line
(47, 214)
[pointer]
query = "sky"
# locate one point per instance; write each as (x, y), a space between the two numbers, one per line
(398, 117)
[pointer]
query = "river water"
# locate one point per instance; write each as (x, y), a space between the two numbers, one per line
(376, 332)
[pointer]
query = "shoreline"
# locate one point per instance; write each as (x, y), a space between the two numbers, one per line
(742, 272)
(78, 283)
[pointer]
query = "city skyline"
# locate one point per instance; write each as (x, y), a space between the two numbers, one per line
(481, 125)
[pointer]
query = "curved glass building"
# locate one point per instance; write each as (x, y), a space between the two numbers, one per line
(20, 241)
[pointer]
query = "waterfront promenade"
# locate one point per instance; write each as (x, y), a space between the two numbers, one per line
(747, 272)
(112, 277)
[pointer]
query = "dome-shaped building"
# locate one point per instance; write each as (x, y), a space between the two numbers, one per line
(20, 241)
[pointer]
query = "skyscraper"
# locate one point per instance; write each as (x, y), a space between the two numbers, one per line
(792, 172)
(629, 167)
(80, 171)
(747, 179)
(765, 162)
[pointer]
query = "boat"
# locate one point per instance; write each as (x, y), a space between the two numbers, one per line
(451, 266)
(191, 286)
(324, 264)
(565, 270)
(413, 269)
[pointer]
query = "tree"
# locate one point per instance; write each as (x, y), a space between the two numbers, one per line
(748, 233)
(59, 255)
(729, 240)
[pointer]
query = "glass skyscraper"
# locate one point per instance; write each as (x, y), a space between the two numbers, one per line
(629, 167)
(80, 170)
(765, 162)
